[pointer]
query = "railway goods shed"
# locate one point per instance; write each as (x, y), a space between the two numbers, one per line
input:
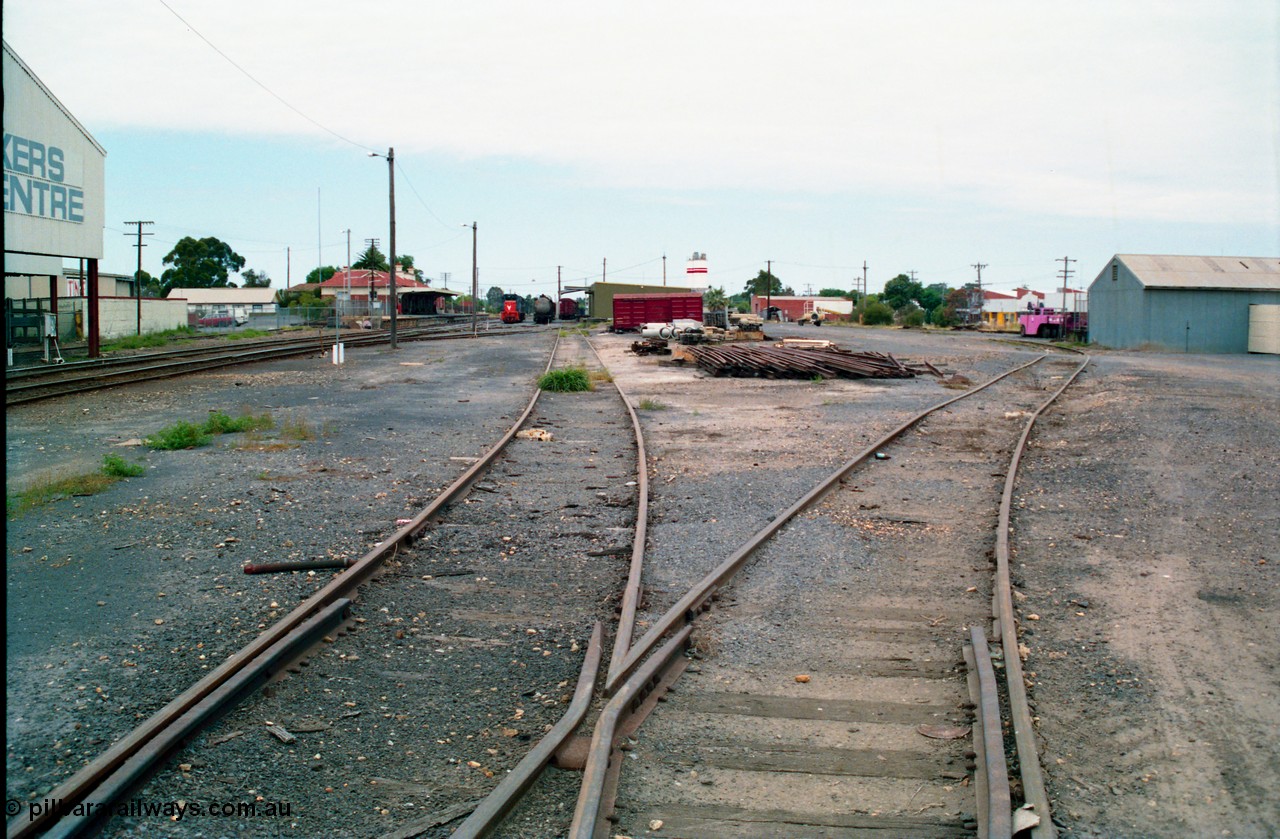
(1194, 304)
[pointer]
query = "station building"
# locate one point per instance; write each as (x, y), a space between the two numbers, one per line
(1193, 304)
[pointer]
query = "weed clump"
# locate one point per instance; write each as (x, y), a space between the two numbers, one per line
(115, 466)
(566, 380)
(180, 435)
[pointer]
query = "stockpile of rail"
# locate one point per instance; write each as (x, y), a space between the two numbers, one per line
(802, 363)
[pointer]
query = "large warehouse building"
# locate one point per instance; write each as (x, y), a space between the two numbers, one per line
(54, 209)
(1196, 304)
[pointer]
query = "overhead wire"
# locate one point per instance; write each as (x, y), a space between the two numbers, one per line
(251, 78)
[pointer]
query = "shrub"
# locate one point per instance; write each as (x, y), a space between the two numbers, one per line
(876, 314)
(115, 466)
(566, 380)
(915, 317)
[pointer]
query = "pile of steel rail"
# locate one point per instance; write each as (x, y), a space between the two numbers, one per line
(796, 363)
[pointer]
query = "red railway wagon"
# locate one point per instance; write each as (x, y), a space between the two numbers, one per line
(632, 311)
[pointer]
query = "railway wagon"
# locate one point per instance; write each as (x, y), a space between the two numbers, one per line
(569, 309)
(544, 309)
(633, 311)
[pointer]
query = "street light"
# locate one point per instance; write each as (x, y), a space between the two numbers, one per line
(475, 281)
(391, 275)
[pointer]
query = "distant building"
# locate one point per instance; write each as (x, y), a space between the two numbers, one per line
(1000, 311)
(795, 308)
(236, 302)
(1197, 304)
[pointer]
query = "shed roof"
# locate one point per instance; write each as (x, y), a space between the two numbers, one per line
(1218, 273)
(225, 296)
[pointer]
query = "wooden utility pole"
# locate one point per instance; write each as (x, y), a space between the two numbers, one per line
(976, 310)
(664, 269)
(137, 278)
(1066, 273)
(768, 287)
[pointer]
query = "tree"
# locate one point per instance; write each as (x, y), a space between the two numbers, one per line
(199, 263)
(372, 260)
(255, 279)
(319, 275)
(766, 283)
(406, 262)
(151, 287)
(715, 298)
(494, 298)
(833, 292)
(874, 312)
(900, 291)
(933, 296)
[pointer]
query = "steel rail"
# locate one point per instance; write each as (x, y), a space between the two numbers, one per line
(995, 799)
(38, 391)
(631, 592)
(697, 596)
(97, 803)
(495, 807)
(73, 790)
(590, 796)
(44, 370)
(1002, 606)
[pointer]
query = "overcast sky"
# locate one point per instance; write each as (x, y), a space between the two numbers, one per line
(597, 136)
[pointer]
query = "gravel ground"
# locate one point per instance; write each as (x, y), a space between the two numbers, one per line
(128, 597)
(1152, 656)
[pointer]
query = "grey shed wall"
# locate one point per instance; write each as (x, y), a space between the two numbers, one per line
(1124, 313)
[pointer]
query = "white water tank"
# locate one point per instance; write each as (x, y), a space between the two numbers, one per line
(1264, 328)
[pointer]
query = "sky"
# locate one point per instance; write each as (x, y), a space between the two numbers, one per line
(595, 138)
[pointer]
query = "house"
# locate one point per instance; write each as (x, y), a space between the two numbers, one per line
(360, 291)
(238, 303)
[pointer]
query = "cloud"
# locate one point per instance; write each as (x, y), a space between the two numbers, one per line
(1162, 111)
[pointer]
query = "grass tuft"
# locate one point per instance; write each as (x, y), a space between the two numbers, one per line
(115, 466)
(220, 423)
(180, 435)
(651, 405)
(566, 380)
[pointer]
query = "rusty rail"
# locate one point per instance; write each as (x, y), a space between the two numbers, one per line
(73, 790)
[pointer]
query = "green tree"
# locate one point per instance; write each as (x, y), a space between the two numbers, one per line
(372, 260)
(151, 287)
(900, 291)
(494, 298)
(833, 292)
(766, 283)
(406, 262)
(319, 275)
(200, 263)
(933, 296)
(255, 279)
(715, 298)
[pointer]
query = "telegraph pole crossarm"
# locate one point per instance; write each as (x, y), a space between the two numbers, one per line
(137, 278)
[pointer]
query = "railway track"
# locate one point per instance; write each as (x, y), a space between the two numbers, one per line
(33, 384)
(635, 674)
(758, 726)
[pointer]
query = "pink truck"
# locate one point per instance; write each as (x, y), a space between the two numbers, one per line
(1051, 323)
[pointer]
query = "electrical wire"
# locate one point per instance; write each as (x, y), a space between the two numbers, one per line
(251, 78)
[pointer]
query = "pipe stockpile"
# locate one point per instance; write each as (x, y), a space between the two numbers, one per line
(795, 363)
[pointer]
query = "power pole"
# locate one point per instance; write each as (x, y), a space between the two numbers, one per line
(475, 286)
(604, 263)
(391, 257)
(864, 279)
(664, 269)
(768, 287)
(977, 310)
(1066, 273)
(137, 278)
(288, 267)
(913, 275)
(558, 291)
(371, 244)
